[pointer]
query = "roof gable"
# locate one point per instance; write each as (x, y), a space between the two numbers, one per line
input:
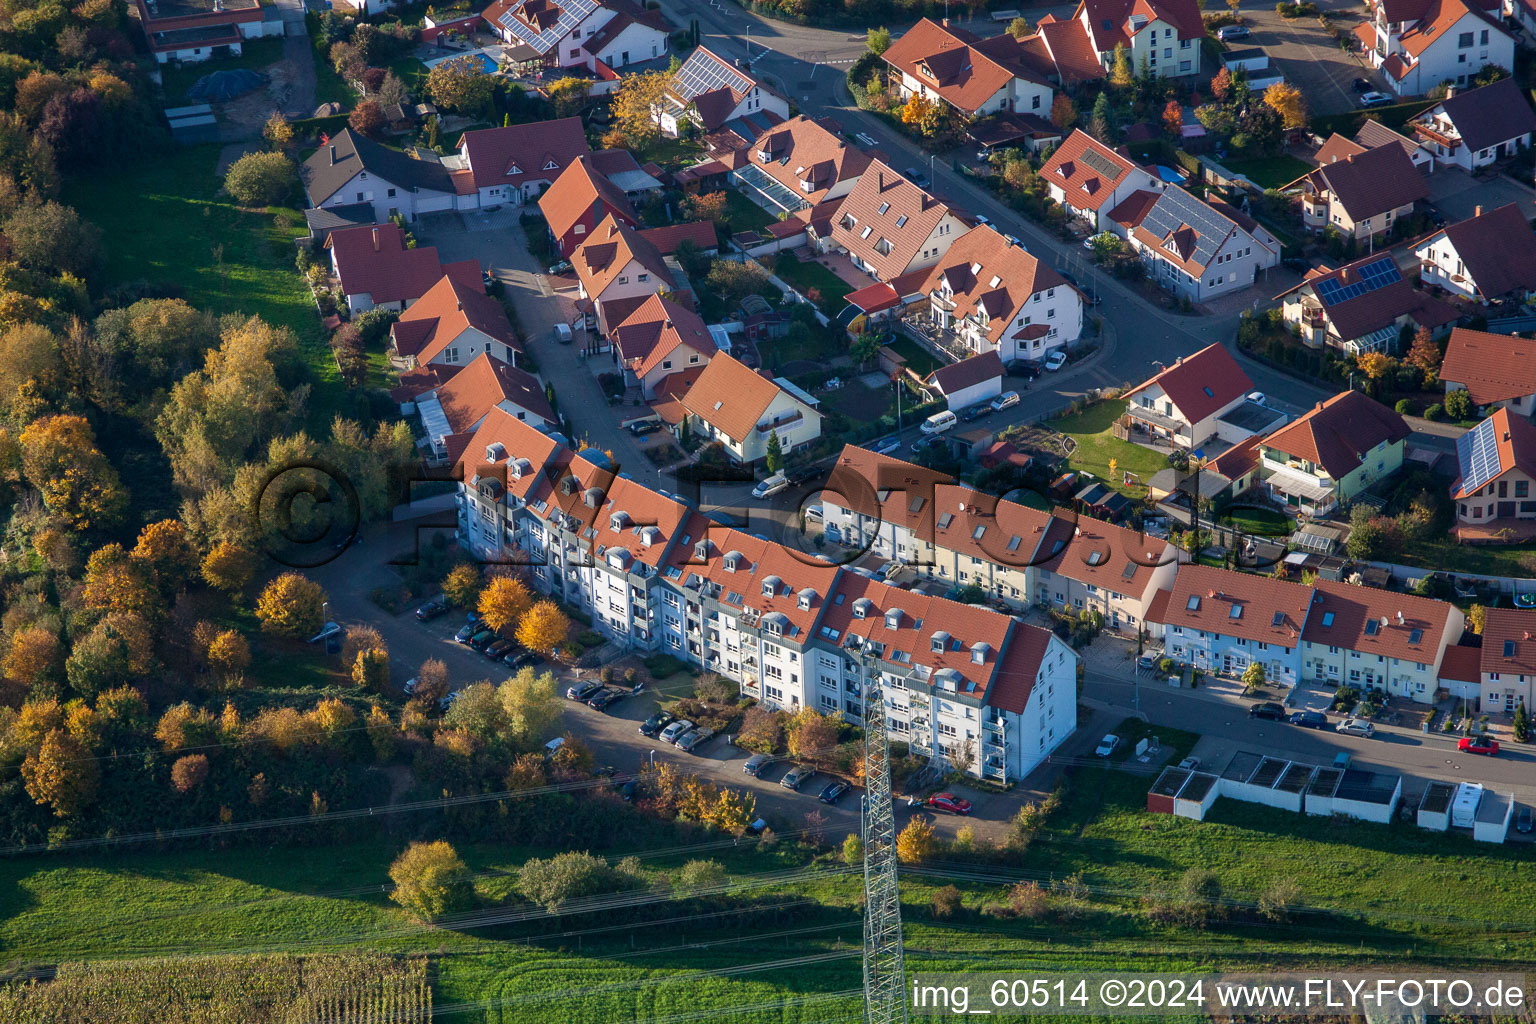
(1202, 384)
(1337, 434)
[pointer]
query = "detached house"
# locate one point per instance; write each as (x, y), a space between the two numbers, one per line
(1473, 128)
(618, 269)
(514, 165)
(889, 227)
(377, 271)
(658, 339)
(1333, 453)
(455, 400)
(1360, 307)
(1497, 459)
(1361, 194)
(1418, 44)
(1165, 34)
(1196, 250)
(452, 324)
(800, 164)
(1487, 257)
(583, 34)
(996, 297)
(1373, 135)
(709, 91)
(733, 404)
(581, 199)
(975, 77)
(191, 31)
(1497, 370)
(353, 171)
(1089, 179)
(1181, 405)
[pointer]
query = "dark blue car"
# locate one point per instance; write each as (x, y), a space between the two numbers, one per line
(833, 792)
(1310, 719)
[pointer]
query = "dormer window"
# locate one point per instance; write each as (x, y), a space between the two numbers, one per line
(979, 653)
(701, 550)
(893, 619)
(592, 497)
(939, 641)
(618, 521)
(861, 607)
(495, 452)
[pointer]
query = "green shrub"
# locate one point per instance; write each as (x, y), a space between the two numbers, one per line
(1433, 412)
(262, 179)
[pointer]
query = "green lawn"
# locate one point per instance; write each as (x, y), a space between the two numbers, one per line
(255, 54)
(413, 73)
(919, 360)
(1263, 522)
(166, 223)
(672, 154)
(1268, 171)
(806, 275)
(1097, 444)
(1517, 560)
(329, 87)
(742, 214)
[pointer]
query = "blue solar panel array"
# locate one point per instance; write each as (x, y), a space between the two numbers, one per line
(1376, 274)
(1478, 452)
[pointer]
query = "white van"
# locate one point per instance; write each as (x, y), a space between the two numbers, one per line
(773, 485)
(938, 422)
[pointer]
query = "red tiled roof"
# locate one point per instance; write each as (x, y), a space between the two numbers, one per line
(1070, 48)
(731, 397)
(1359, 316)
(1022, 659)
(1201, 384)
(802, 152)
(1514, 446)
(657, 330)
(745, 572)
(1336, 148)
(578, 189)
(956, 377)
(1338, 433)
(1461, 664)
(1110, 557)
(445, 312)
(668, 403)
(1513, 629)
(1438, 19)
(1085, 187)
(874, 298)
(518, 441)
(910, 216)
(1490, 115)
(1352, 617)
(373, 261)
(607, 252)
(1492, 367)
(1009, 275)
(1371, 182)
(1498, 250)
(1272, 611)
(485, 383)
(1133, 209)
(1109, 21)
(669, 239)
(947, 63)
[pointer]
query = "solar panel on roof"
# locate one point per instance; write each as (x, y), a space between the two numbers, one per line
(702, 72)
(1478, 452)
(1176, 209)
(1376, 274)
(1100, 163)
(571, 13)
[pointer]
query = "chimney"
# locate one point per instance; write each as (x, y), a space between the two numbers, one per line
(1478, 211)
(1450, 90)
(333, 156)
(945, 23)
(375, 239)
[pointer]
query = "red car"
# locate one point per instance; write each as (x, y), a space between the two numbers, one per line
(1478, 745)
(949, 802)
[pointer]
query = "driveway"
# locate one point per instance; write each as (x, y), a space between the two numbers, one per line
(1458, 194)
(1307, 54)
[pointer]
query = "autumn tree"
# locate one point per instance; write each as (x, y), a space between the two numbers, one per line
(33, 655)
(1376, 366)
(1019, 28)
(431, 681)
(568, 96)
(706, 206)
(166, 554)
(1477, 615)
(1121, 73)
(229, 654)
(532, 706)
(431, 880)
(811, 733)
(277, 131)
(59, 774)
(462, 585)
(1221, 85)
(367, 117)
(291, 605)
(116, 581)
(229, 566)
(878, 40)
(262, 179)
(1253, 677)
(543, 627)
(504, 601)
(633, 106)
(59, 457)
(189, 772)
(917, 842)
(1424, 353)
(734, 811)
(461, 85)
(1173, 119)
(1286, 100)
(382, 734)
(1063, 112)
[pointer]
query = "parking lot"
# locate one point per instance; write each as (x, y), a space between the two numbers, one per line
(1308, 55)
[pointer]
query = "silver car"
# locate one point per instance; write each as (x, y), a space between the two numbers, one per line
(671, 733)
(797, 776)
(695, 738)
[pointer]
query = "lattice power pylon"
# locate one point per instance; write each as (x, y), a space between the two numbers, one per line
(885, 997)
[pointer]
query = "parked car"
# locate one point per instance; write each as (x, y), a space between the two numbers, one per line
(483, 639)
(497, 648)
(797, 776)
(447, 702)
(1189, 764)
(1029, 369)
(644, 427)
(1006, 400)
(1361, 85)
(755, 764)
(1375, 99)
(917, 177)
(672, 732)
(1056, 360)
(432, 609)
(1310, 719)
(466, 632)
(583, 690)
(563, 267)
(1107, 745)
(1230, 32)
(949, 802)
(815, 514)
(1356, 727)
(563, 333)
(524, 659)
(605, 698)
(832, 792)
(1267, 709)
(1480, 743)
(1523, 822)
(886, 445)
(1342, 760)
(922, 444)
(771, 486)
(1296, 263)
(657, 722)
(694, 738)
(976, 412)
(410, 686)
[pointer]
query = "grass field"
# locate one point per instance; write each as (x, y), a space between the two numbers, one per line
(1097, 444)
(742, 214)
(1268, 171)
(805, 275)
(169, 225)
(1263, 522)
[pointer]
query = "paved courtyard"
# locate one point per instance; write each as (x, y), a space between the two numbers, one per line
(1458, 194)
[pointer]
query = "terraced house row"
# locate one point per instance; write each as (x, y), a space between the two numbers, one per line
(976, 687)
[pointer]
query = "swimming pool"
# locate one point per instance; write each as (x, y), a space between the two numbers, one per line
(486, 63)
(1171, 174)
